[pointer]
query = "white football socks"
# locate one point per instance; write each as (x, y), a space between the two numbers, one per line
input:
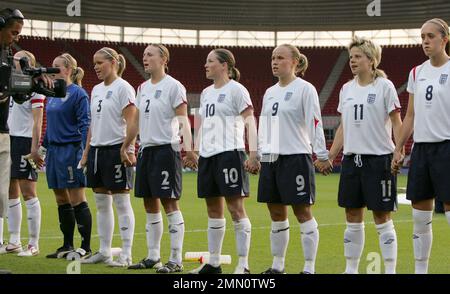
(14, 220)
(105, 222)
(422, 239)
(353, 246)
(176, 231)
(216, 233)
(279, 240)
(154, 232)
(126, 221)
(388, 245)
(34, 221)
(243, 232)
(309, 235)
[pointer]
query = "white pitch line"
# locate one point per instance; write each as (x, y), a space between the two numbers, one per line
(229, 229)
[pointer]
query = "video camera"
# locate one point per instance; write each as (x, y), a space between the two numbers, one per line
(20, 85)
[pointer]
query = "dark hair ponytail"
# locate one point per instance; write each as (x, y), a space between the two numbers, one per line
(225, 56)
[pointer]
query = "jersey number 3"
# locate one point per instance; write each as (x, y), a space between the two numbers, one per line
(99, 107)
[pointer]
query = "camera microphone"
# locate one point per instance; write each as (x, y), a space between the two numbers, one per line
(25, 66)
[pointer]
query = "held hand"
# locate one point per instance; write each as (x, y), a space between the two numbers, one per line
(191, 160)
(324, 166)
(83, 161)
(252, 165)
(124, 157)
(397, 162)
(316, 164)
(132, 158)
(35, 160)
(327, 167)
(82, 164)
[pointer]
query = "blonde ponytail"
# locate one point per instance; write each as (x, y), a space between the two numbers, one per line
(302, 65)
(77, 76)
(111, 54)
(122, 65)
(77, 73)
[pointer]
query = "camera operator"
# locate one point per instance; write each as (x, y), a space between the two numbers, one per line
(11, 23)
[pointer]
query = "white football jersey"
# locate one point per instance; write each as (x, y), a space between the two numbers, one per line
(431, 89)
(108, 126)
(20, 120)
(222, 127)
(157, 104)
(365, 117)
(290, 121)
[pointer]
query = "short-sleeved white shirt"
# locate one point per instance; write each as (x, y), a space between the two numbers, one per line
(365, 116)
(222, 127)
(157, 118)
(108, 126)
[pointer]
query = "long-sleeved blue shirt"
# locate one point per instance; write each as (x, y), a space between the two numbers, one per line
(68, 118)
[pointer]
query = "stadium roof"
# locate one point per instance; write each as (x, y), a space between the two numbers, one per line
(252, 15)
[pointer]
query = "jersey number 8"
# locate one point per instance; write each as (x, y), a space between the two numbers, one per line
(429, 93)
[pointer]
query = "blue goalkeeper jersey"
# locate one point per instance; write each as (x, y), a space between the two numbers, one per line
(68, 118)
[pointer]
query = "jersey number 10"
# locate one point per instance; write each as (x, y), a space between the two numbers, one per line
(210, 110)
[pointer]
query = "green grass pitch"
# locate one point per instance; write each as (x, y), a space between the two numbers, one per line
(331, 219)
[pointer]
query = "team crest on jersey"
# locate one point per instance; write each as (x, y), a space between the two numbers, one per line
(109, 94)
(288, 96)
(371, 98)
(221, 98)
(443, 79)
(158, 94)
